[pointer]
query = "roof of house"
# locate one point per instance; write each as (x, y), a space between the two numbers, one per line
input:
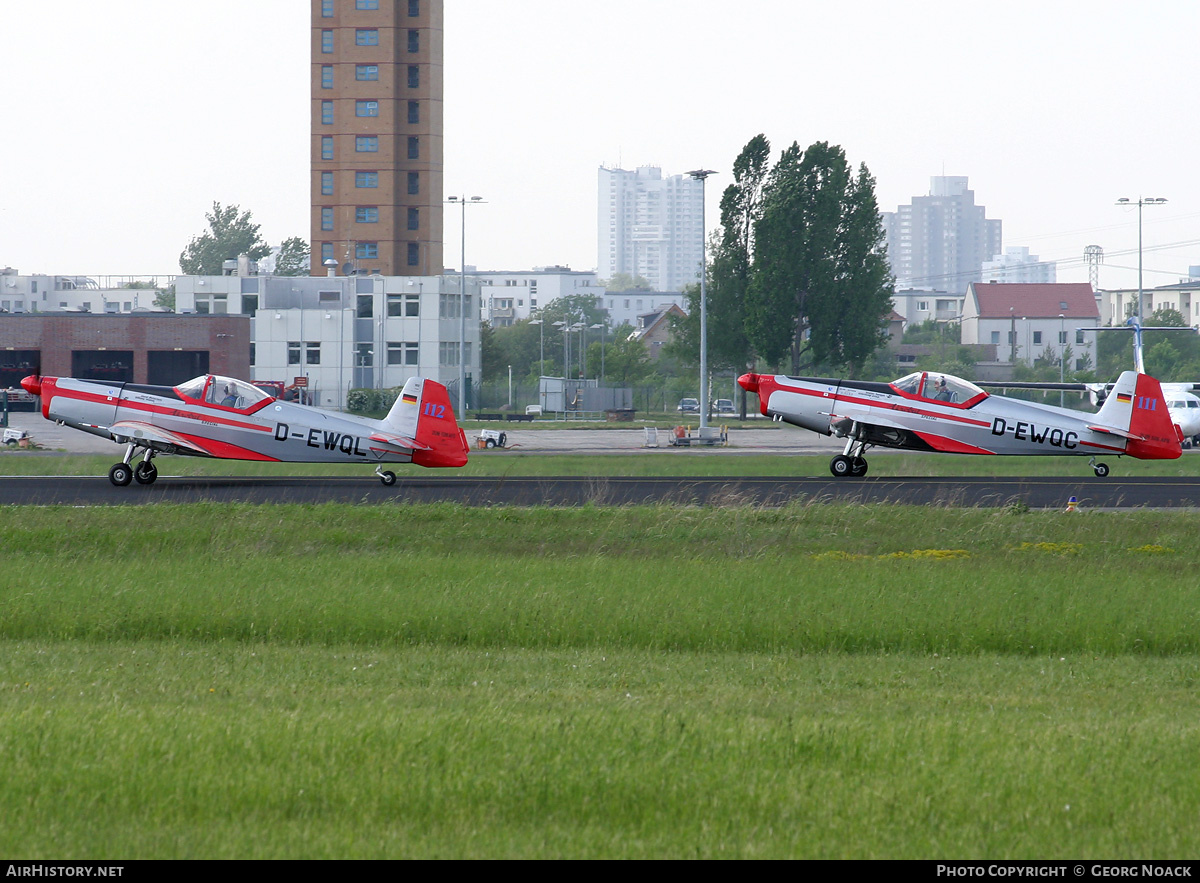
(1046, 300)
(648, 321)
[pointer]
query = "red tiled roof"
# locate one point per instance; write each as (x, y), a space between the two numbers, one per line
(1035, 300)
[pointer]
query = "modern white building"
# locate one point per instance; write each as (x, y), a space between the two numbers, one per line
(1016, 264)
(41, 293)
(1024, 320)
(920, 305)
(941, 240)
(510, 296)
(1116, 305)
(337, 333)
(630, 307)
(650, 226)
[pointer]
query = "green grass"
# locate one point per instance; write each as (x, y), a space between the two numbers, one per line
(435, 681)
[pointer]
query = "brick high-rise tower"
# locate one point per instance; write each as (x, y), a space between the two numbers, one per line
(377, 136)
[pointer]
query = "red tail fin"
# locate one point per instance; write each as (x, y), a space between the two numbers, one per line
(1158, 436)
(437, 428)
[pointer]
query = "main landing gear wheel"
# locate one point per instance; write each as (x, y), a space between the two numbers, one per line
(1101, 470)
(841, 466)
(858, 467)
(145, 473)
(121, 474)
(388, 478)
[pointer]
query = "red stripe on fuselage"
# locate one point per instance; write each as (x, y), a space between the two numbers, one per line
(949, 445)
(207, 416)
(875, 403)
(225, 451)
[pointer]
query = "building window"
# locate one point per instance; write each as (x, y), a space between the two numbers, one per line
(326, 219)
(313, 352)
(366, 250)
(414, 148)
(414, 183)
(326, 113)
(327, 183)
(1062, 338)
(448, 353)
(366, 108)
(414, 219)
(414, 76)
(326, 8)
(414, 112)
(366, 4)
(414, 8)
(395, 305)
(366, 355)
(366, 306)
(366, 179)
(366, 72)
(414, 254)
(293, 352)
(366, 37)
(1037, 338)
(1079, 337)
(326, 42)
(366, 144)
(414, 41)
(327, 76)
(996, 337)
(326, 147)
(326, 251)
(366, 214)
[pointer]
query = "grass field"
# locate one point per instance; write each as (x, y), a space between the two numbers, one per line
(433, 681)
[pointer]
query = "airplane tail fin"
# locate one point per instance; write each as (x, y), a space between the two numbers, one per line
(1137, 409)
(423, 413)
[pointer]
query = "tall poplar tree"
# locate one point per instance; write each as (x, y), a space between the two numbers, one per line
(820, 285)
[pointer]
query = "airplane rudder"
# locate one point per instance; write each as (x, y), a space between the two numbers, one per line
(438, 428)
(1150, 419)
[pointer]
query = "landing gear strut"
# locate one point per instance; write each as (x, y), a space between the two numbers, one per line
(1101, 469)
(851, 461)
(122, 473)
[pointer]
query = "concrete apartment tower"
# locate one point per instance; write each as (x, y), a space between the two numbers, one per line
(377, 89)
(940, 241)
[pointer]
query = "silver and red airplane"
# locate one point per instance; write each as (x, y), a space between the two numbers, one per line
(931, 411)
(228, 419)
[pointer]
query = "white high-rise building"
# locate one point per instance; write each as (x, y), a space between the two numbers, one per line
(1018, 265)
(650, 226)
(941, 240)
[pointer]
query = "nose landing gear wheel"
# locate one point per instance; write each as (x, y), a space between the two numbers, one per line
(121, 474)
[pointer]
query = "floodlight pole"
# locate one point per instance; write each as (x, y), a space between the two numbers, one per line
(701, 175)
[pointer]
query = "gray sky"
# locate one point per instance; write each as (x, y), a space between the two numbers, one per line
(123, 122)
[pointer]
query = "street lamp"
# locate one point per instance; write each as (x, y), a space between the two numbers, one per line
(1062, 353)
(701, 175)
(564, 325)
(582, 329)
(1140, 202)
(462, 302)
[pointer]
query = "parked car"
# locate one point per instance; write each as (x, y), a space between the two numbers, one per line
(723, 407)
(689, 406)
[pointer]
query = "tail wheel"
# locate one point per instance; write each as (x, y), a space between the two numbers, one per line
(841, 466)
(1101, 470)
(388, 478)
(121, 474)
(145, 473)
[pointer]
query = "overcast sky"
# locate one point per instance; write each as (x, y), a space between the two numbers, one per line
(123, 122)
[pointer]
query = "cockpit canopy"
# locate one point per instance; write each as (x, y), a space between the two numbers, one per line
(212, 389)
(936, 387)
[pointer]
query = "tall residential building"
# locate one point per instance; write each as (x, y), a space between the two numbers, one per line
(1018, 265)
(941, 240)
(377, 136)
(650, 226)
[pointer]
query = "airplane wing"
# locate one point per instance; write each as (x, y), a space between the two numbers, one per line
(147, 434)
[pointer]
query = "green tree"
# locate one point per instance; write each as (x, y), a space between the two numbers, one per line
(729, 269)
(820, 285)
(165, 299)
(626, 360)
(231, 232)
(292, 259)
(626, 282)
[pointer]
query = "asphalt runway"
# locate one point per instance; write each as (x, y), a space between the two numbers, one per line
(1043, 493)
